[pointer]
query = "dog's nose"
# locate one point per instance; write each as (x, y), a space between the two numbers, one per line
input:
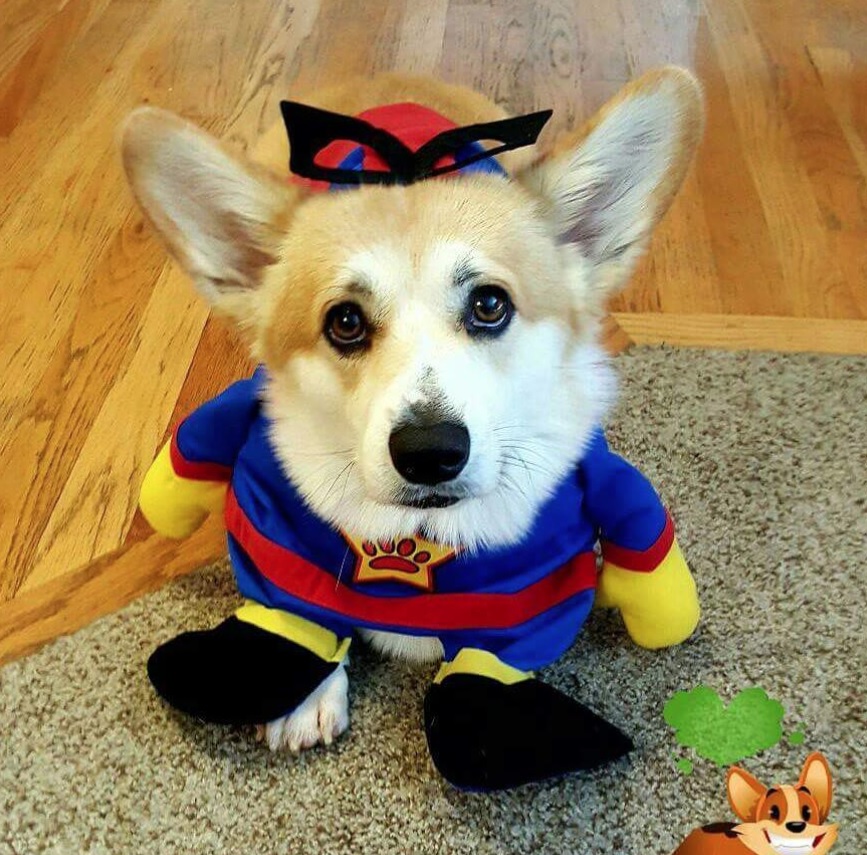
(796, 826)
(429, 453)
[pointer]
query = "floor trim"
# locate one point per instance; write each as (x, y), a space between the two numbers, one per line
(746, 332)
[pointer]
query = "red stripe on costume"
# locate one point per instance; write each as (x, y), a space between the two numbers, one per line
(447, 611)
(194, 471)
(641, 560)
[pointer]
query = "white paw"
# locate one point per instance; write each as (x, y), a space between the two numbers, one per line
(322, 717)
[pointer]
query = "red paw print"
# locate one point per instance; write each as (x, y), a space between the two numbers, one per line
(409, 560)
(401, 558)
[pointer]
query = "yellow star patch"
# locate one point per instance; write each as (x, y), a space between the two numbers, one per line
(410, 560)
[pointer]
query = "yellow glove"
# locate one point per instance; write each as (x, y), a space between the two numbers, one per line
(660, 608)
(175, 506)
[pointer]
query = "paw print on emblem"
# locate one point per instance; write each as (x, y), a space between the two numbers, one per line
(409, 560)
(385, 556)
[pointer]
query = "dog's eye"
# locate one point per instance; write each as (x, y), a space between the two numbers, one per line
(775, 813)
(345, 326)
(806, 813)
(489, 310)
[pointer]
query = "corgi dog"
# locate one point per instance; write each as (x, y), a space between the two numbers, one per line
(419, 457)
(788, 819)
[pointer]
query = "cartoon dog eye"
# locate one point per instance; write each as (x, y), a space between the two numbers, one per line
(775, 813)
(806, 813)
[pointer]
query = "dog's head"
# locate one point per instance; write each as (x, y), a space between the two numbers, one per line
(784, 819)
(431, 349)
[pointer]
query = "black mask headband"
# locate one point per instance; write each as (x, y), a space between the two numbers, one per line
(311, 130)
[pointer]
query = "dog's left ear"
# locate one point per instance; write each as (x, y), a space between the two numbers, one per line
(607, 185)
(816, 777)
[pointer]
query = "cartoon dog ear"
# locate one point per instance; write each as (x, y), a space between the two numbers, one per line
(221, 219)
(816, 777)
(608, 184)
(744, 792)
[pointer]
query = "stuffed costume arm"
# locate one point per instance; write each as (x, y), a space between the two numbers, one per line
(189, 477)
(643, 572)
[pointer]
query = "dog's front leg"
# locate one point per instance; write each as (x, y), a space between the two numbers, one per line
(320, 719)
(260, 665)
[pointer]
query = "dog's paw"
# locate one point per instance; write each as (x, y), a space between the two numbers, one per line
(321, 718)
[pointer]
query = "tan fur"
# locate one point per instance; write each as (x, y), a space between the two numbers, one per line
(148, 128)
(310, 251)
(488, 215)
(816, 776)
(745, 793)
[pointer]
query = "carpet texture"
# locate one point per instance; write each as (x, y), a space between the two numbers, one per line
(762, 459)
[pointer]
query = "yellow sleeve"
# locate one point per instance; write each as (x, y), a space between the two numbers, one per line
(175, 506)
(660, 608)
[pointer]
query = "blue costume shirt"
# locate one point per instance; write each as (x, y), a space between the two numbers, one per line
(525, 603)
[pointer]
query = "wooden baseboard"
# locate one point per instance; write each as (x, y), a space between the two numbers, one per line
(746, 332)
(74, 600)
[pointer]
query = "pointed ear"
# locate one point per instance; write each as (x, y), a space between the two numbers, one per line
(221, 219)
(744, 793)
(816, 777)
(608, 184)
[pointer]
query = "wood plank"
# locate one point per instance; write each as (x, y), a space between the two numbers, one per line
(75, 407)
(797, 230)
(747, 332)
(824, 148)
(420, 42)
(614, 338)
(749, 277)
(25, 67)
(56, 421)
(96, 504)
(102, 587)
(846, 92)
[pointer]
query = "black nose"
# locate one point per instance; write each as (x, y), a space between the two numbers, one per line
(796, 826)
(430, 453)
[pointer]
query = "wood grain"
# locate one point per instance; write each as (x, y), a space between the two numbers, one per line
(104, 346)
(101, 587)
(746, 332)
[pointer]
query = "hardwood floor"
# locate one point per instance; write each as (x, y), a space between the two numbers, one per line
(103, 344)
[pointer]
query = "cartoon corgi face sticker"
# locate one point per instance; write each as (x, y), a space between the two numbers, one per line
(409, 560)
(784, 819)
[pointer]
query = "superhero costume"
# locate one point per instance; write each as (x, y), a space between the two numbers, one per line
(499, 613)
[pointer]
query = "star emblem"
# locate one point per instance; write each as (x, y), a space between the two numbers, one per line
(410, 560)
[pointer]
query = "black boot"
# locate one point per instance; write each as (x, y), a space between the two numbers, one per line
(235, 673)
(486, 735)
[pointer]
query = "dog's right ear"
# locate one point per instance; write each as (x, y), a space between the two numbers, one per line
(744, 792)
(222, 220)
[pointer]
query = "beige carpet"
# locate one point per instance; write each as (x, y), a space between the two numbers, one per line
(762, 460)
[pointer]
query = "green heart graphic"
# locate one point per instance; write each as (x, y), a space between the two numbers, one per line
(724, 734)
